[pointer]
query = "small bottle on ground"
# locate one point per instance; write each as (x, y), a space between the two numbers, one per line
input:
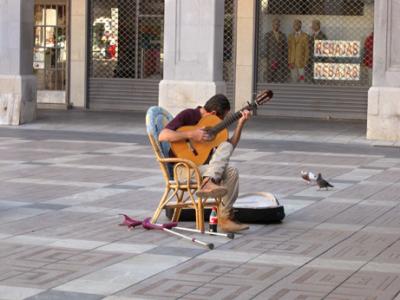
(213, 222)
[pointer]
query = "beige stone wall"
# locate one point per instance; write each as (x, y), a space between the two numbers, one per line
(383, 121)
(245, 52)
(78, 48)
(17, 83)
(383, 114)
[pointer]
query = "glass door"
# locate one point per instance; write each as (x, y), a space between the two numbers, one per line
(50, 51)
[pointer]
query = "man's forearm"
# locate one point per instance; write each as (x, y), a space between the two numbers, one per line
(234, 140)
(168, 135)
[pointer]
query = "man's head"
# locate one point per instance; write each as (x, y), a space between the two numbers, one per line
(276, 23)
(297, 25)
(316, 25)
(218, 105)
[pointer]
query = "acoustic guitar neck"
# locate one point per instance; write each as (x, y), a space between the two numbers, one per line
(228, 120)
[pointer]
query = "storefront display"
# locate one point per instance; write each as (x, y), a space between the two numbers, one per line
(342, 27)
(329, 51)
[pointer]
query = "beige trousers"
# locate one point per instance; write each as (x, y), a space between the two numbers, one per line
(218, 169)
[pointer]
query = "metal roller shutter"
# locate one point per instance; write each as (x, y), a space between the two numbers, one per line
(295, 100)
(122, 94)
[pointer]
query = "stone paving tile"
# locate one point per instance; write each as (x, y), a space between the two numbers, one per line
(280, 190)
(149, 163)
(121, 275)
(306, 283)
(361, 247)
(61, 195)
(182, 278)
(285, 169)
(358, 174)
(177, 251)
(17, 293)
(130, 199)
(323, 158)
(360, 214)
(25, 155)
(12, 204)
(63, 268)
(106, 176)
(160, 288)
(292, 206)
(30, 192)
(387, 176)
(58, 295)
(314, 191)
(390, 255)
(368, 285)
(19, 213)
(389, 219)
(319, 212)
(46, 206)
(390, 193)
(95, 227)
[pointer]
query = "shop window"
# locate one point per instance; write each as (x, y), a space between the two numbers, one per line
(126, 39)
(317, 42)
(50, 46)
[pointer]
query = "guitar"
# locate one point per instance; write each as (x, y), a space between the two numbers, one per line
(198, 152)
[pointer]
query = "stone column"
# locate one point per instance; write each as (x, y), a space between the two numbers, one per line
(245, 52)
(384, 96)
(78, 38)
(17, 82)
(193, 53)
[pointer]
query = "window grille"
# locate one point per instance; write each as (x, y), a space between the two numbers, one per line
(126, 39)
(316, 42)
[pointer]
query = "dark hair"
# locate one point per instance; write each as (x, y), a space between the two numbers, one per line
(218, 103)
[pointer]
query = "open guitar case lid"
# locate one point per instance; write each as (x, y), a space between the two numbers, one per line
(255, 208)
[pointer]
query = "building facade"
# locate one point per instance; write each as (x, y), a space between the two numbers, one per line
(323, 59)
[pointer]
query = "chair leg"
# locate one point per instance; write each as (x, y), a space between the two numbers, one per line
(200, 215)
(178, 210)
(160, 206)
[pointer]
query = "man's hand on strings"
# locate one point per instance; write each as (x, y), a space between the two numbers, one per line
(200, 135)
(246, 114)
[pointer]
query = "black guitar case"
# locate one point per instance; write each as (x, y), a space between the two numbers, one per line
(253, 208)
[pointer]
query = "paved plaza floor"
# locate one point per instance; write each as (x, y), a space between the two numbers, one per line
(67, 176)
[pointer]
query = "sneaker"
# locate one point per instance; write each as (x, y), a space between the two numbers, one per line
(228, 225)
(211, 190)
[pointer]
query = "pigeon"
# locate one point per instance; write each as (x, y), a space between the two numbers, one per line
(308, 176)
(322, 183)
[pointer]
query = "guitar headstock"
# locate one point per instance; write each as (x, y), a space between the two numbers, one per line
(261, 98)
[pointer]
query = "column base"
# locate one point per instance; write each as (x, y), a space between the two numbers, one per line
(17, 99)
(383, 121)
(176, 95)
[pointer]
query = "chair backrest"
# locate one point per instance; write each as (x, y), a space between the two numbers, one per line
(156, 120)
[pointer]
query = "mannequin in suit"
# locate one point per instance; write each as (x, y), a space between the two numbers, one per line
(298, 52)
(276, 49)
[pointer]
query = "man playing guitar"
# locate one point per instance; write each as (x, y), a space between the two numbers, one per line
(219, 179)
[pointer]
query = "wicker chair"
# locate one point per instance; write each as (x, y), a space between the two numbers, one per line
(178, 194)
